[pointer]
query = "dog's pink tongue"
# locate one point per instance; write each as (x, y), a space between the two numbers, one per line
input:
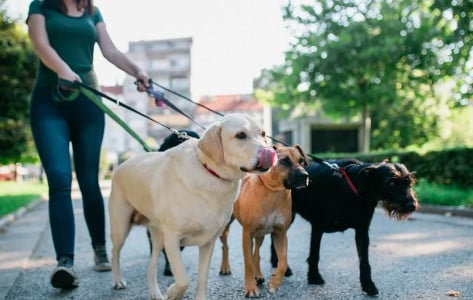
(266, 157)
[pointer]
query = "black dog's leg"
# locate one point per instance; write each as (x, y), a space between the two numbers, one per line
(149, 241)
(313, 274)
(362, 243)
(167, 266)
(274, 260)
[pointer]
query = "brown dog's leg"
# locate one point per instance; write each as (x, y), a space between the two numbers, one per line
(225, 266)
(280, 244)
(256, 260)
(251, 290)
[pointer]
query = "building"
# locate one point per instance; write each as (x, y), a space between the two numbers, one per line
(168, 63)
(211, 108)
(317, 133)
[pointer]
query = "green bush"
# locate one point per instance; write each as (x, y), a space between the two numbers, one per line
(451, 167)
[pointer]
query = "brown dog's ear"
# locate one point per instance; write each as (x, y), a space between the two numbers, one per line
(306, 160)
(211, 144)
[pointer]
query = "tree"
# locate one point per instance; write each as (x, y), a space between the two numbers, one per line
(457, 16)
(375, 58)
(17, 73)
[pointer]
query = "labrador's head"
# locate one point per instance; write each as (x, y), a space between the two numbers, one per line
(236, 144)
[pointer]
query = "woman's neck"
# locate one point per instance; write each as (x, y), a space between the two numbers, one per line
(72, 10)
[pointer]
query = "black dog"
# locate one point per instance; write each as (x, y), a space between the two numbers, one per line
(170, 141)
(338, 199)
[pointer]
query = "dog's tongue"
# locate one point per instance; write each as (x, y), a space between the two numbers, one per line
(266, 157)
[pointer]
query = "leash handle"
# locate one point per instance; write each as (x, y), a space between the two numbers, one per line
(66, 90)
(159, 99)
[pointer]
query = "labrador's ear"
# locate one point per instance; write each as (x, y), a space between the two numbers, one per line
(211, 143)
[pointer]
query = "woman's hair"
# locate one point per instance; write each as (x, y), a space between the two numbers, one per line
(58, 5)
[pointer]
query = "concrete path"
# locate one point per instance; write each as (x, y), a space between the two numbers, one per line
(427, 257)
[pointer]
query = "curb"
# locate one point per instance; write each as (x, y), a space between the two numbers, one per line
(12, 217)
(449, 211)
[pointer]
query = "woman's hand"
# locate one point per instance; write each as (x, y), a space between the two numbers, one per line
(143, 81)
(69, 75)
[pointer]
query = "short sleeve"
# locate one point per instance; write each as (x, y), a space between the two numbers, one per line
(97, 15)
(35, 8)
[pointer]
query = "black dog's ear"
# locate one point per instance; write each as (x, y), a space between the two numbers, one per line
(368, 170)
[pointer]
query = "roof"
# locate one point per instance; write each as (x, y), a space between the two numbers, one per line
(115, 89)
(229, 103)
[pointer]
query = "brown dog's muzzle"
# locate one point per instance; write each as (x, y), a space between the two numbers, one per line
(300, 180)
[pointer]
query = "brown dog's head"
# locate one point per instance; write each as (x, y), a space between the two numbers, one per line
(290, 168)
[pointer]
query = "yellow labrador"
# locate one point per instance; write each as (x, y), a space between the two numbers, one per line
(185, 196)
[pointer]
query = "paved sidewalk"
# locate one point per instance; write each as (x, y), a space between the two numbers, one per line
(29, 235)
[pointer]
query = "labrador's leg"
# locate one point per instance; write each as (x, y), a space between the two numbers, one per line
(205, 254)
(120, 224)
(172, 247)
(157, 246)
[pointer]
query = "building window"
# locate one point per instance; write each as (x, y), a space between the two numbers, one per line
(180, 83)
(334, 140)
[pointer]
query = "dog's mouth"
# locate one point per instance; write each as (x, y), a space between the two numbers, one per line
(400, 212)
(266, 158)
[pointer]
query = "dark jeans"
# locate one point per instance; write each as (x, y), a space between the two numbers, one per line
(56, 125)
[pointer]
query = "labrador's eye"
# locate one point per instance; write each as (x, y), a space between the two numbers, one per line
(263, 133)
(241, 135)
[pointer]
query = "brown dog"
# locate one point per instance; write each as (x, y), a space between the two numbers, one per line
(264, 207)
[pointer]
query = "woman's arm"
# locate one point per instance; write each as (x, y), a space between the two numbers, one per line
(118, 58)
(49, 57)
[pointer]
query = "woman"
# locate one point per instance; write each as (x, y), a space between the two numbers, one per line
(63, 34)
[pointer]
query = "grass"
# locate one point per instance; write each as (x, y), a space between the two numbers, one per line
(443, 195)
(14, 195)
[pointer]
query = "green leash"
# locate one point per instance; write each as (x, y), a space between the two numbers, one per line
(80, 88)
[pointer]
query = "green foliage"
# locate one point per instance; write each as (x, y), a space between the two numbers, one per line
(437, 194)
(17, 72)
(457, 16)
(14, 195)
(375, 59)
(450, 167)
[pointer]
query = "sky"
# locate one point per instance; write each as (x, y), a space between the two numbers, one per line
(232, 39)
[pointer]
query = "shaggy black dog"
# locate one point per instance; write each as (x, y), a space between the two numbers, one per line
(170, 141)
(346, 197)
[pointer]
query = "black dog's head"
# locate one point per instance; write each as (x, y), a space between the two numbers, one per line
(393, 185)
(174, 139)
(291, 165)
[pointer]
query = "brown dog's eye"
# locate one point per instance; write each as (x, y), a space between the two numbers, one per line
(285, 161)
(241, 135)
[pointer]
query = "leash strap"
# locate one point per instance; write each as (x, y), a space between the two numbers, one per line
(350, 183)
(159, 98)
(91, 94)
(92, 97)
(185, 98)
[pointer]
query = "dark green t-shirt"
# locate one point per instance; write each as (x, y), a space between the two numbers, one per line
(73, 38)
